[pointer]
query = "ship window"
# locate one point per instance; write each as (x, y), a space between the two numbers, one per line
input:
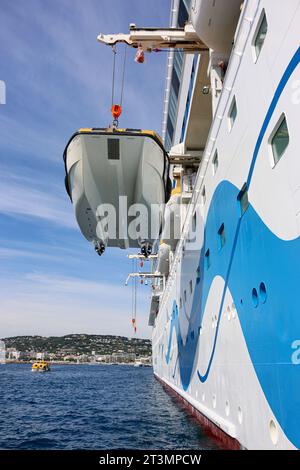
(280, 139)
(191, 286)
(173, 107)
(178, 62)
(215, 162)
(184, 295)
(221, 236)
(232, 113)
(113, 149)
(243, 199)
(198, 275)
(180, 302)
(170, 128)
(183, 14)
(260, 35)
(175, 82)
(207, 259)
(203, 196)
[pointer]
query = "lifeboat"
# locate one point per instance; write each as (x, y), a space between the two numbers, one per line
(215, 22)
(40, 366)
(118, 182)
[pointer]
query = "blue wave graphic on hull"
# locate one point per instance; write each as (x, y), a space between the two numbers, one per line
(271, 326)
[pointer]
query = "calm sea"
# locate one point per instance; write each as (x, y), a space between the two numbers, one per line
(92, 407)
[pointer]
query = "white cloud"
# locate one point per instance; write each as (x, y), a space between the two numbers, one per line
(49, 305)
(18, 199)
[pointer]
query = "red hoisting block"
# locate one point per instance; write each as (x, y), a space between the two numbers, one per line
(116, 111)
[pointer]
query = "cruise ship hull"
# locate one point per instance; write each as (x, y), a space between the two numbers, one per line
(226, 336)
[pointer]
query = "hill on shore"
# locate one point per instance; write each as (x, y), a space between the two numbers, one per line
(80, 344)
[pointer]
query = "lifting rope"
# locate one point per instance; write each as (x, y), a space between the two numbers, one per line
(134, 294)
(123, 76)
(116, 109)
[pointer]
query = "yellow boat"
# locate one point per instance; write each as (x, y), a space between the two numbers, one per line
(40, 366)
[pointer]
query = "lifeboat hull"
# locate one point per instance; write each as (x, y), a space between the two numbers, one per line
(117, 182)
(215, 22)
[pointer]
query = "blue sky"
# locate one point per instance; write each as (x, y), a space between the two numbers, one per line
(58, 79)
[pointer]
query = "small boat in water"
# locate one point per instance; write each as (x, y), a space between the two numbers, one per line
(40, 366)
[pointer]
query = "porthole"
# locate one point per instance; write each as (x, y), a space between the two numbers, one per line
(243, 200)
(228, 313)
(263, 292)
(279, 140)
(214, 401)
(227, 408)
(203, 196)
(207, 259)
(215, 162)
(273, 432)
(260, 35)
(255, 298)
(232, 114)
(240, 415)
(221, 237)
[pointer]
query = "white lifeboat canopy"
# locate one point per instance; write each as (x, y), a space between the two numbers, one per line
(215, 22)
(118, 182)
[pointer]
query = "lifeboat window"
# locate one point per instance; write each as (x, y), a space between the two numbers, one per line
(243, 199)
(232, 113)
(207, 259)
(215, 162)
(280, 139)
(203, 196)
(260, 34)
(113, 149)
(221, 235)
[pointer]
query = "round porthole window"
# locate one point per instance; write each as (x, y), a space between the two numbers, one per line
(240, 415)
(262, 292)
(273, 432)
(255, 297)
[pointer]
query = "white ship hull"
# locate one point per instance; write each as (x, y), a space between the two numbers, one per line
(227, 332)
